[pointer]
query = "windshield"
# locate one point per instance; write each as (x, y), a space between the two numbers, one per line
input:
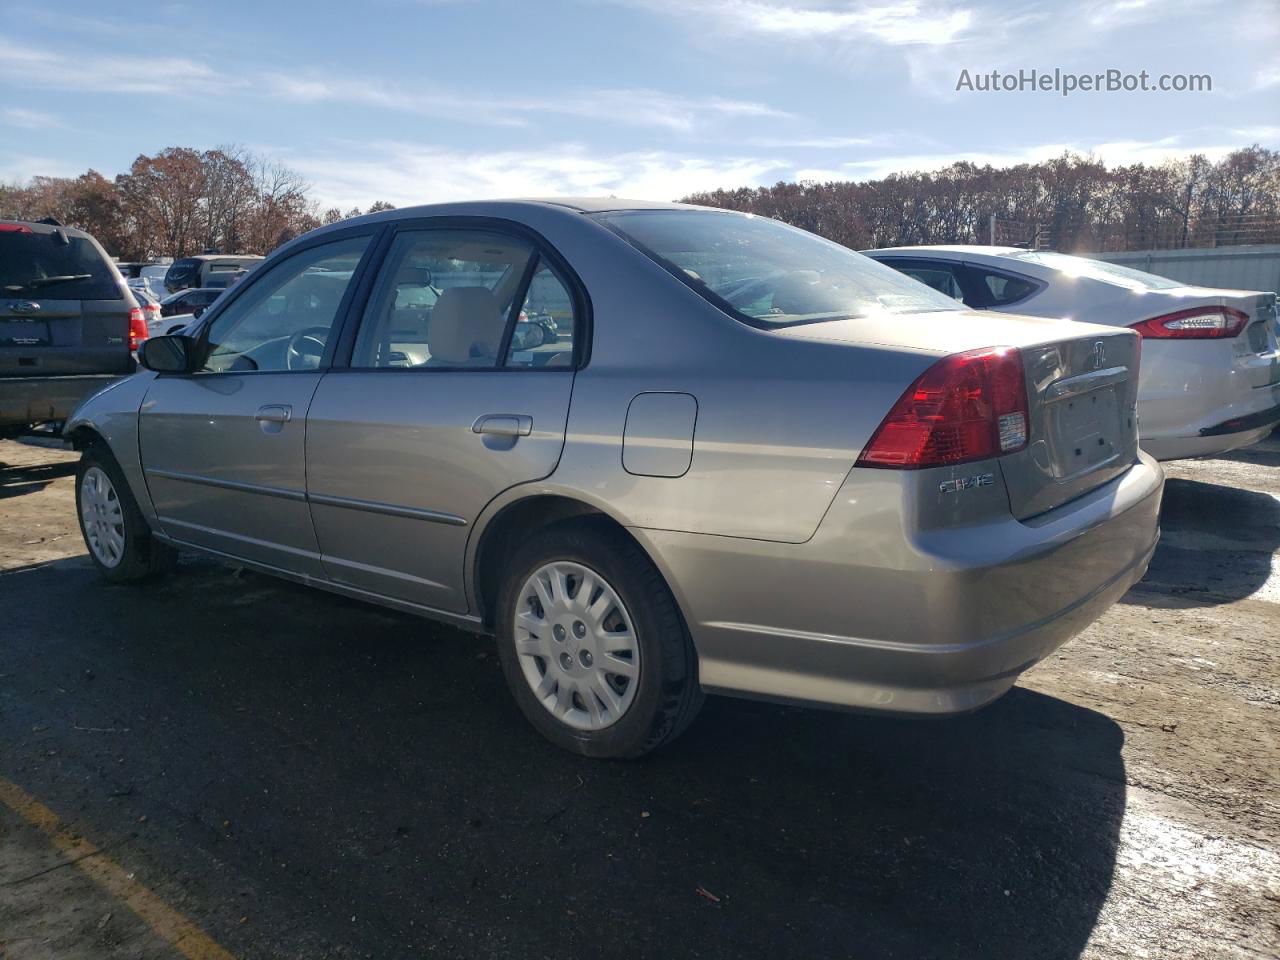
(767, 273)
(1097, 270)
(41, 264)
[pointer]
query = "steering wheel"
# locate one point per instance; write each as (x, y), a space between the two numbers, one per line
(305, 348)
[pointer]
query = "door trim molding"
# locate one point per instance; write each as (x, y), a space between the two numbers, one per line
(325, 500)
(283, 493)
(388, 509)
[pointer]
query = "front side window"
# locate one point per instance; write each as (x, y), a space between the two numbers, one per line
(284, 320)
(769, 274)
(445, 299)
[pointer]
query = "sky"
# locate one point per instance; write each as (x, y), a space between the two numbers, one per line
(418, 101)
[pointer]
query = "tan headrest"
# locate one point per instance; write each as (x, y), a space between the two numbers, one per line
(466, 327)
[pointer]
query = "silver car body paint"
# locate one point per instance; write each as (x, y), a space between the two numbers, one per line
(800, 576)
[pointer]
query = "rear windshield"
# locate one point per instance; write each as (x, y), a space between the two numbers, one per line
(1097, 270)
(769, 274)
(43, 265)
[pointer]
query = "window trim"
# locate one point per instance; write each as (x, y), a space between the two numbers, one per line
(206, 321)
(543, 251)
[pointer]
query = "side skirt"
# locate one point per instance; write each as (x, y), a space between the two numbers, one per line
(463, 621)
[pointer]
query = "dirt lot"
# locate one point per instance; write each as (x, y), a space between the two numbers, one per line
(246, 766)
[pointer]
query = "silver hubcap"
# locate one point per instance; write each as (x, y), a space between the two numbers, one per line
(102, 517)
(577, 646)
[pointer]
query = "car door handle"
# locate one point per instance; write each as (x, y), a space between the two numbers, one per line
(504, 425)
(274, 413)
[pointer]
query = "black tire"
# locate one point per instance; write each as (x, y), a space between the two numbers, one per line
(143, 556)
(668, 696)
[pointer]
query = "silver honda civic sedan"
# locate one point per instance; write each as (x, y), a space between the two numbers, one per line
(656, 450)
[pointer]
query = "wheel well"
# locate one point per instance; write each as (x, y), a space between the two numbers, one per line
(514, 524)
(83, 437)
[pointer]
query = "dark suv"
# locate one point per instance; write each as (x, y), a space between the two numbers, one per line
(68, 323)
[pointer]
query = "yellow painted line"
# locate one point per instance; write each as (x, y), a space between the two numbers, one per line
(166, 922)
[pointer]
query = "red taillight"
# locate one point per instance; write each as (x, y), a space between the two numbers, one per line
(968, 406)
(14, 228)
(1197, 323)
(137, 328)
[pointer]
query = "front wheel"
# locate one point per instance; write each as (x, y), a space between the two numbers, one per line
(592, 644)
(119, 540)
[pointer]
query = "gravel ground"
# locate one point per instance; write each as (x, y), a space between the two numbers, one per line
(303, 776)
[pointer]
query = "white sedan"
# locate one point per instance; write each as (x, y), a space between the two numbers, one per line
(1210, 377)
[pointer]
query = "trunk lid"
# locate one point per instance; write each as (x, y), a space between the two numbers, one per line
(1083, 423)
(1082, 386)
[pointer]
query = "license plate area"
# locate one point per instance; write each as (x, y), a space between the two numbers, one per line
(1085, 430)
(24, 333)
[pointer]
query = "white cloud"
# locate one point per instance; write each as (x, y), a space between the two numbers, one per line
(97, 74)
(895, 22)
(21, 167)
(29, 119)
(634, 107)
(815, 143)
(408, 173)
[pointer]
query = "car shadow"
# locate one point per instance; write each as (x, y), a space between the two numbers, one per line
(365, 785)
(1216, 545)
(16, 481)
(1262, 455)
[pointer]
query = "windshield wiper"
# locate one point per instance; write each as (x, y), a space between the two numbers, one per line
(40, 282)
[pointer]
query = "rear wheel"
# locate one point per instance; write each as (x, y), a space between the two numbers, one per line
(592, 644)
(119, 541)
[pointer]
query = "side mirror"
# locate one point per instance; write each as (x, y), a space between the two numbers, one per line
(166, 354)
(197, 311)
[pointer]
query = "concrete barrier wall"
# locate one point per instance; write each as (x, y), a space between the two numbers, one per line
(1236, 268)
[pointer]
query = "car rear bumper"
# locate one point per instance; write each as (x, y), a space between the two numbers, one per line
(1241, 430)
(1198, 399)
(937, 623)
(29, 400)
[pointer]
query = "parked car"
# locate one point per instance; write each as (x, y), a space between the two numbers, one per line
(206, 270)
(188, 301)
(1210, 365)
(830, 486)
(150, 306)
(68, 324)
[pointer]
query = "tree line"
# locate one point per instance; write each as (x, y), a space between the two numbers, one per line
(1072, 203)
(180, 202)
(183, 201)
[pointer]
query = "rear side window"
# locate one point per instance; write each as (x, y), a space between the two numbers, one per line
(1001, 288)
(543, 334)
(445, 299)
(56, 266)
